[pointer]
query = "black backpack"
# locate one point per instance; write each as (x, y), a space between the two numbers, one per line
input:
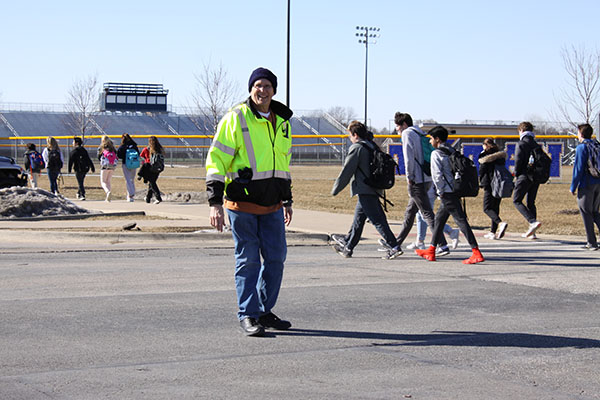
(157, 163)
(54, 160)
(82, 161)
(382, 168)
(593, 163)
(539, 170)
(466, 179)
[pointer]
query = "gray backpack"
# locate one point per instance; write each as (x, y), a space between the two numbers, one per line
(502, 182)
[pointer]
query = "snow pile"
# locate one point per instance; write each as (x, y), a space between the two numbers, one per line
(187, 197)
(18, 202)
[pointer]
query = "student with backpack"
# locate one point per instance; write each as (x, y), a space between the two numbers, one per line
(357, 172)
(53, 159)
(154, 163)
(129, 154)
(446, 186)
(525, 184)
(418, 175)
(107, 155)
(586, 182)
(422, 229)
(490, 159)
(79, 159)
(34, 164)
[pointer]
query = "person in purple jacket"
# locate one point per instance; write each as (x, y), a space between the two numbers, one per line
(585, 186)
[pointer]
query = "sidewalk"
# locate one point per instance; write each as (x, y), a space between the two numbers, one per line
(173, 214)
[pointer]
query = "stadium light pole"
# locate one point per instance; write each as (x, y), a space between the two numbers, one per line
(287, 90)
(367, 35)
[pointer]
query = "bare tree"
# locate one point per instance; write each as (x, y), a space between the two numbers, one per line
(82, 105)
(342, 114)
(215, 93)
(580, 100)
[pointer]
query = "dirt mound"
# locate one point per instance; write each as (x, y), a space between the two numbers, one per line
(19, 202)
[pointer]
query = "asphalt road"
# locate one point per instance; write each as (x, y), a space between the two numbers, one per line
(97, 320)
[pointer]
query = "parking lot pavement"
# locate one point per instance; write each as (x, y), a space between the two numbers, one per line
(157, 320)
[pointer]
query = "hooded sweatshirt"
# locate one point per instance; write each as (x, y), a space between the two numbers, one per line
(413, 155)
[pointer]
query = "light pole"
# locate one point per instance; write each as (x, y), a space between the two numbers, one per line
(367, 35)
(287, 89)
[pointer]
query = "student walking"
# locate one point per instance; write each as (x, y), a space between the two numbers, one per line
(129, 155)
(443, 179)
(524, 184)
(34, 163)
(585, 186)
(422, 228)
(80, 160)
(419, 179)
(54, 161)
(154, 164)
(489, 158)
(356, 170)
(107, 155)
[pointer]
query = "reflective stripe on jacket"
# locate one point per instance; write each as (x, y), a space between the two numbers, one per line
(244, 142)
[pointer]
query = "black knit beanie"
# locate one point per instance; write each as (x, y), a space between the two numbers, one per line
(262, 73)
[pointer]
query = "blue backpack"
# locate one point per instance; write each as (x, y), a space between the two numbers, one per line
(132, 159)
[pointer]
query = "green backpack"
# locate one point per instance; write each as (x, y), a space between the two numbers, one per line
(427, 149)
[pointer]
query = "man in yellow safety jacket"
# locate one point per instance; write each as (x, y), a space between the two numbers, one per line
(247, 173)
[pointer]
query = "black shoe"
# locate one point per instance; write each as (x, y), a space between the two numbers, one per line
(251, 327)
(148, 199)
(272, 321)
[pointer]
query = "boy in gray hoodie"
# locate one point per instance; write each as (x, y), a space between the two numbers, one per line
(419, 179)
(443, 179)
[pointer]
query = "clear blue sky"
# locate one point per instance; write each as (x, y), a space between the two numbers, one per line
(446, 60)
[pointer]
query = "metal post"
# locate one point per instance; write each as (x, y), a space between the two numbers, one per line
(287, 90)
(366, 33)
(366, 75)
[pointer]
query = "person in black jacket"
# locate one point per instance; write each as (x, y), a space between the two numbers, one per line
(488, 159)
(128, 173)
(79, 159)
(34, 173)
(524, 185)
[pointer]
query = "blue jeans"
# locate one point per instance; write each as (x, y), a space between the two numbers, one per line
(368, 206)
(257, 284)
(53, 177)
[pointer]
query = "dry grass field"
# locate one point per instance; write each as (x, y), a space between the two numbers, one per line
(557, 208)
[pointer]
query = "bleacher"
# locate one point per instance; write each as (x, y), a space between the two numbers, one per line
(175, 129)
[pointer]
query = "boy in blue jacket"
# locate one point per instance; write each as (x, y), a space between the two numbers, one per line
(585, 186)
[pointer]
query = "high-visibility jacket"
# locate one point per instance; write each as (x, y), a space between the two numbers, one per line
(249, 160)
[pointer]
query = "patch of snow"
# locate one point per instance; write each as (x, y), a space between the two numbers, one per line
(19, 202)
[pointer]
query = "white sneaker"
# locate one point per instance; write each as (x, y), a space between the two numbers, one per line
(501, 230)
(156, 201)
(108, 196)
(532, 228)
(533, 236)
(454, 237)
(416, 245)
(129, 199)
(442, 251)
(490, 235)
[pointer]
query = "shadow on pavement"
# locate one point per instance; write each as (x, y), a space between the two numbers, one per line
(443, 338)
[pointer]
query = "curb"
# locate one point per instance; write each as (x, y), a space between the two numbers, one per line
(75, 216)
(138, 237)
